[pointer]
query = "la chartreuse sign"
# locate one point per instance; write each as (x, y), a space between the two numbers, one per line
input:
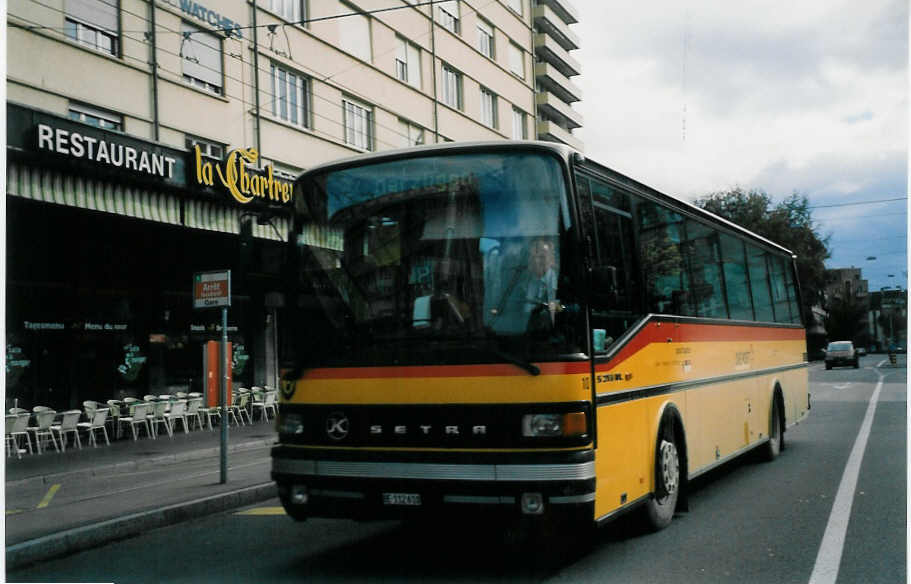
(244, 184)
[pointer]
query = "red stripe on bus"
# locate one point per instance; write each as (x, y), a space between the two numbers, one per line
(495, 370)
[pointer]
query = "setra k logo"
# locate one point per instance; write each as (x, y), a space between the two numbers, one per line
(337, 426)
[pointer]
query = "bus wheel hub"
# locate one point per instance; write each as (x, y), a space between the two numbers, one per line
(670, 468)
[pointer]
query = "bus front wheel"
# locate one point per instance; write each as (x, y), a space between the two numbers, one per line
(659, 510)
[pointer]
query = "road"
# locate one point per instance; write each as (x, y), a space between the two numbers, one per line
(785, 521)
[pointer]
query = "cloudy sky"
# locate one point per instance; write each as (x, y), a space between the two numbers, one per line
(697, 96)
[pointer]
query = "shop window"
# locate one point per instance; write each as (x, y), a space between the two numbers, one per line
(93, 23)
(358, 119)
(201, 57)
(290, 96)
(96, 117)
(488, 108)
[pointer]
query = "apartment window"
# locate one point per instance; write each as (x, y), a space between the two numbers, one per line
(452, 87)
(516, 60)
(488, 108)
(448, 15)
(290, 96)
(355, 34)
(95, 117)
(201, 52)
(519, 124)
(408, 63)
(290, 10)
(485, 39)
(411, 135)
(207, 148)
(516, 6)
(92, 23)
(358, 120)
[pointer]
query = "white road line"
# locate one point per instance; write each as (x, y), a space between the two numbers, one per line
(828, 560)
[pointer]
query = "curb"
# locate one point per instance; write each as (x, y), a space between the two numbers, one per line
(136, 464)
(97, 534)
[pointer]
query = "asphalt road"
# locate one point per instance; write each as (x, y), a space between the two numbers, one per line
(831, 508)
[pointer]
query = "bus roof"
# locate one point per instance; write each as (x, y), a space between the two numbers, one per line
(564, 152)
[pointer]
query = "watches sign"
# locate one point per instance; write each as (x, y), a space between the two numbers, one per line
(212, 289)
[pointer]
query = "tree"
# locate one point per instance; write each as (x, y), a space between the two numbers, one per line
(844, 321)
(788, 223)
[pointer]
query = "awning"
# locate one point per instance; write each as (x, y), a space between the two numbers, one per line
(51, 186)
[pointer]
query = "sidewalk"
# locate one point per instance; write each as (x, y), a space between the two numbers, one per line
(61, 503)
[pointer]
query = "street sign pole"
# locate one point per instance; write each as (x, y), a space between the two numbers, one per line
(223, 369)
(211, 290)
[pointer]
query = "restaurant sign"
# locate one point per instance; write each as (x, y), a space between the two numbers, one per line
(244, 184)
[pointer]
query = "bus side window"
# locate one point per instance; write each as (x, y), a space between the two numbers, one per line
(759, 284)
(615, 286)
(666, 279)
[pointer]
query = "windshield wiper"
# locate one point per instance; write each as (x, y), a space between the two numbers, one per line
(512, 360)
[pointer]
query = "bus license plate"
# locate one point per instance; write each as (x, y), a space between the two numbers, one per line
(411, 499)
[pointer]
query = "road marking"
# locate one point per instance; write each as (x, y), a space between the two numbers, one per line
(843, 385)
(47, 498)
(13, 511)
(263, 511)
(828, 560)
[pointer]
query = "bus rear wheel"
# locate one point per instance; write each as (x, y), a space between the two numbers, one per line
(773, 447)
(659, 510)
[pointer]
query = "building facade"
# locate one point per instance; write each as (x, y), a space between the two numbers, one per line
(150, 140)
(846, 292)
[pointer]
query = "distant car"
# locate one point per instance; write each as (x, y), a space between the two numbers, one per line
(861, 351)
(841, 353)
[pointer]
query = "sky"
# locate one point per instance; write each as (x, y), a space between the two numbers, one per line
(693, 97)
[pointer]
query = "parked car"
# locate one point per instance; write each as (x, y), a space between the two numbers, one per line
(841, 353)
(861, 351)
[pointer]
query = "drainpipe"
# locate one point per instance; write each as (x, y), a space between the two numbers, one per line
(154, 64)
(433, 69)
(256, 79)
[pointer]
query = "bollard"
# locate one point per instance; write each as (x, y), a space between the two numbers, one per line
(892, 358)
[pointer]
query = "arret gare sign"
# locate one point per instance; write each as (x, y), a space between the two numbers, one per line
(78, 146)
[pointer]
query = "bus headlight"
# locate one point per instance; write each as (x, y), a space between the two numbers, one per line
(291, 424)
(553, 425)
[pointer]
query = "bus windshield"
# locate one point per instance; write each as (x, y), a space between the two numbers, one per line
(447, 258)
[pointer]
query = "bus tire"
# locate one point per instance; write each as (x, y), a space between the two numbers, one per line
(660, 507)
(775, 443)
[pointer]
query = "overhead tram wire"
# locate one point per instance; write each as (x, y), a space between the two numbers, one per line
(227, 31)
(857, 203)
(243, 83)
(267, 93)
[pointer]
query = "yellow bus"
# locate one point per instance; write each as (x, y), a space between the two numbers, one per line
(512, 329)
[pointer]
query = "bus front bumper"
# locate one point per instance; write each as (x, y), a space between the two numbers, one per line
(361, 486)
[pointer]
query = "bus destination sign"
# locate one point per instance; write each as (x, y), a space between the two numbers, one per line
(212, 289)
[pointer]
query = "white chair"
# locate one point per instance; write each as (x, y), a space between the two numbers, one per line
(181, 395)
(11, 445)
(139, 416)
(193, 410)
(68, 425)
(19, 429)
(44, 418)
(178, 412)
(238, 407)
(97, 422)
(266, 404)
(18, 411)
(114, 406)
(90, 406)
(158, 416)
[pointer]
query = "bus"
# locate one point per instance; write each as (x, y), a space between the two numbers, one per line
(514, 330)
